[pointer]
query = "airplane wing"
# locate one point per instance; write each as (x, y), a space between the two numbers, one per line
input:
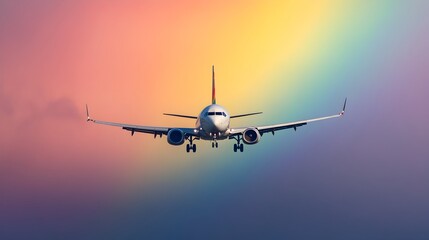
(245, 115)
(282, 126)
(180, 115)
(141, 129)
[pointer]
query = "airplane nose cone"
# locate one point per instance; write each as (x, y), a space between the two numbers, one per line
(215, 125)
(220, 125)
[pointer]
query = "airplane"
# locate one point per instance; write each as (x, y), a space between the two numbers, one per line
(213, 124)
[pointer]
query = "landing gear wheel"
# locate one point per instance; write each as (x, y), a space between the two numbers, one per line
(216, 145)
(212, 144)
(191, 145)
(238, 145)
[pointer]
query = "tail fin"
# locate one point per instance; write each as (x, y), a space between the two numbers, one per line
(213, 87)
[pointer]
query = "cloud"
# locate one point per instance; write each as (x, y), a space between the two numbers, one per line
(63, 108)
(5, 106)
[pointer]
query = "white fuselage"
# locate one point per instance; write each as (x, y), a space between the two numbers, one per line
(213, 123)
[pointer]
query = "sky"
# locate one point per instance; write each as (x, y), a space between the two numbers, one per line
(364, 176)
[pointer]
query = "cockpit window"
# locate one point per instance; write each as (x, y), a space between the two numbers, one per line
(216, 113)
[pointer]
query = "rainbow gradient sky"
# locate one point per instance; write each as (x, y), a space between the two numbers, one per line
(364, 176)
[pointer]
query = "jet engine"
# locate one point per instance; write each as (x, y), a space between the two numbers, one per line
(251, 136)
(175, 137)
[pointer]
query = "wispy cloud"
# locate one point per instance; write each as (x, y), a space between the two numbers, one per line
(63, 108)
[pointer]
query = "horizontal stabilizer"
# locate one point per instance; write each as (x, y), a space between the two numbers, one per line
(178, 115)
(245, 115)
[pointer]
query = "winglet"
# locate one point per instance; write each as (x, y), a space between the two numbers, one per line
(213, 86)
(344, 107)
(88, 118)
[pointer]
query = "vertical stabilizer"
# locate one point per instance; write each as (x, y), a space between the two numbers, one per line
(213, 87)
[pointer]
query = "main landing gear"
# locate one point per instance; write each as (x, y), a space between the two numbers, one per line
(238, 145)
(191, 146)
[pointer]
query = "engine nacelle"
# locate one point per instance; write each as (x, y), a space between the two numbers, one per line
(175, 137)
(251, 136)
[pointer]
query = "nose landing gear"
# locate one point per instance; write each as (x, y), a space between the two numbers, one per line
(215, 144)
